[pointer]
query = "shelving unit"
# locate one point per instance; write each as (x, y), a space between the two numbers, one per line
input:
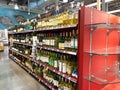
(18, 46)
(73, 79)
(99, 49)
(41, 79)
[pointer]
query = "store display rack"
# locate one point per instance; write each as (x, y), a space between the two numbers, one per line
(39, 47)
(41, 79)
(47, 66)
(99, 48)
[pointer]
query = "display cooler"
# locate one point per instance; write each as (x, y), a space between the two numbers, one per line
(99, 50)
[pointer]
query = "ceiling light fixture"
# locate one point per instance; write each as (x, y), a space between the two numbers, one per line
(65, 1)
(94, 4)
(28, 7)
(16, 6)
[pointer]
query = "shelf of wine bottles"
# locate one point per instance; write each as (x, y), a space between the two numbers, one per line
(65, 71)
(50, 53)
(64, 28)
(49, 48)
(48, 75)
(41, 79)
(23, 43)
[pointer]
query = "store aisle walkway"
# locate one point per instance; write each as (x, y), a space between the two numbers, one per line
(13, 77)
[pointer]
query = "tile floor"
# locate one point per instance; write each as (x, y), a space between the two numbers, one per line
(13, 77)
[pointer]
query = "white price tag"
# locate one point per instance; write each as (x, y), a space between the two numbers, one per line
(69, 78)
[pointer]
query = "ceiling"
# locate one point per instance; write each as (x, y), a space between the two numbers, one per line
(41, 6)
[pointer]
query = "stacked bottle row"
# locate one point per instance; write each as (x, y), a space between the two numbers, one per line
(54, 79)
(25, 38)
(58, 81)
(24, 61)
(59, 20)
(56, 21)
(62, 40)
(63, 62)
(26, 50)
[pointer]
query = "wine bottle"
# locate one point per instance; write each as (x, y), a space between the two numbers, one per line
(68, 40)
(64, 64)
(50, 59)
(56, 61)
(72, 35)
(56, 40)
(69, 65)
(61, 41)
(56, 80)
(44, 41)
(27, 38)
(74, 71)
(76, 39)
(60, 86)
(52, 40)
(60, 63)
(27, 50)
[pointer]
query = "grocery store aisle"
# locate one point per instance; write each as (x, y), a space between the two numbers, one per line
(13, 77)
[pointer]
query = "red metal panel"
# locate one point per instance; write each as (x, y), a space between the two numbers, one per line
(99, 40)
(80, 48)
(99, 16)
(87, 15)
(113, 19)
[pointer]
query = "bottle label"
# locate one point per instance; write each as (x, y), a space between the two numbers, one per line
(26, 51)
(65, 44)
(64, 68)
(60, 66)
(55, 64)
(38, 58)
(34, 40)
(69, 69)
(47, 42)
(72, 43)
(46, 59)
(52, 42)
(55, 83)
(61, 45)
(76, 43)
(69, 44)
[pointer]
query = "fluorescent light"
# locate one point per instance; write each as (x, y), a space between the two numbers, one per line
(16, 6)
(65, 1)
(114, 11)
(94, 4)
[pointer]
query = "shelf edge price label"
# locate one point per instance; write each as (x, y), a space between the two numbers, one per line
(69, 78)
